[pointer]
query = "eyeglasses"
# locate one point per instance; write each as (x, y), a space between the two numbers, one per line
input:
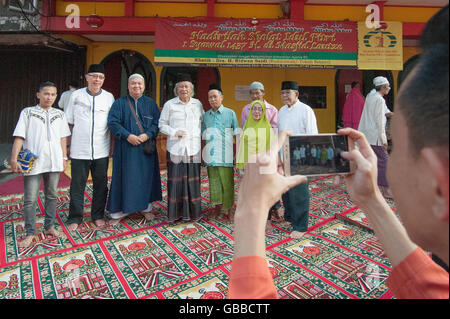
(96, 76)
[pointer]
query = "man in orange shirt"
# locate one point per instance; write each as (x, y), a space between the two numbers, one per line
(418, 171)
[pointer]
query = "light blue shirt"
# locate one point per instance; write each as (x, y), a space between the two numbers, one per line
(330, 153)
(218, 129)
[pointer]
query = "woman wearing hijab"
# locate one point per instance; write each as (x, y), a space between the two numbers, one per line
(256, 138)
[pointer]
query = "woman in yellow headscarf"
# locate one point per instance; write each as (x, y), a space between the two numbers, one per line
(257, 136)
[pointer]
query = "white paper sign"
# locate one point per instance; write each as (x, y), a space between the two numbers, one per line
(242, 92)
(348, 88)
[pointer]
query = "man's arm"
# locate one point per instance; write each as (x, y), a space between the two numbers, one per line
(379, 115)
(274, 118)
(164, 121)
(244, 115)
(17, 146)
(64, 151)
(362, 188)
(311, 122)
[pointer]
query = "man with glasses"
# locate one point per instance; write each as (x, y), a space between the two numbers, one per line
(373, 126)
(300, 119)
(87, 115)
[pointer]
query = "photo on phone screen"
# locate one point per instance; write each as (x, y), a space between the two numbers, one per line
(316, 155)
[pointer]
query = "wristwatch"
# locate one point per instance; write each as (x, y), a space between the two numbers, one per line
(65, 158)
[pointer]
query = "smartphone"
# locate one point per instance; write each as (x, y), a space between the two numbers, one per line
(316, 155)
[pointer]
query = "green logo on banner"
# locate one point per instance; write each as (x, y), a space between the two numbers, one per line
(380, 39)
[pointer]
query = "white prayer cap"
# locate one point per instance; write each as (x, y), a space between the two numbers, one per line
(380, 80)
(136, 75)
(257, 86)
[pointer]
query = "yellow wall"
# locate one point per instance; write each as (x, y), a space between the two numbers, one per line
(271, 77)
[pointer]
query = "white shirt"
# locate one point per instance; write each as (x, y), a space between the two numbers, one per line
(299, 118)
(42, 132)
(89, 116)
(64, 99)
(176, 116)
(373, 119)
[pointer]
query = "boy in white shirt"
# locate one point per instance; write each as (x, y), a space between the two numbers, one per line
(42, 130)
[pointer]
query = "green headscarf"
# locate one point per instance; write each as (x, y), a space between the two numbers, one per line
(256, 138)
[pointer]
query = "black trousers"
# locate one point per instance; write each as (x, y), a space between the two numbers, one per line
(296, 207)
(80, 171)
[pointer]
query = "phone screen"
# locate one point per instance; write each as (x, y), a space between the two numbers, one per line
(316, 155)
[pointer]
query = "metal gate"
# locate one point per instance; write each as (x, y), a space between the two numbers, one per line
(21, 72)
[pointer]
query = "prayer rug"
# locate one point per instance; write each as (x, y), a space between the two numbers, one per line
(213, 285)
(41, 244)
(84, 273)
(345, 270)
(16, 282)
(338, 258)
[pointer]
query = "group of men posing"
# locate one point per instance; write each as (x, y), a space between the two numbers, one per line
(92, 116)
(314, 155)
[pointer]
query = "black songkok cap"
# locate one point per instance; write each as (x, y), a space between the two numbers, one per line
(96, 68)
(289, 85)
(182, 77)
(214, 86)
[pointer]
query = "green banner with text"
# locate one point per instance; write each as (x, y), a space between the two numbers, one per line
(255, 43)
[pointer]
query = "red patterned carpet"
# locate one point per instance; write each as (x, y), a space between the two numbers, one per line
(339, 258)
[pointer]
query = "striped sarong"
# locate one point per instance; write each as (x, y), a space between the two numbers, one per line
(221, 186)
(183, 188)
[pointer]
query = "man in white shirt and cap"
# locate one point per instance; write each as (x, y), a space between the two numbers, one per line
(87, 113)
(373, 125)
(299, 118)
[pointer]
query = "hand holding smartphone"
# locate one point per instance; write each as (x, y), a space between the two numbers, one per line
(316, 155)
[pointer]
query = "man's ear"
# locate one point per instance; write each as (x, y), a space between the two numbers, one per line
(439, 172)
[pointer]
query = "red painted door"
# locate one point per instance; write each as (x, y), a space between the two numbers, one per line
(205, 77)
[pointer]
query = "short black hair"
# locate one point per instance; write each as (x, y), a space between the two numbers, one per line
(45, 84)
(423, 100)
(354, 83)
(436, 30)
(74, 84)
